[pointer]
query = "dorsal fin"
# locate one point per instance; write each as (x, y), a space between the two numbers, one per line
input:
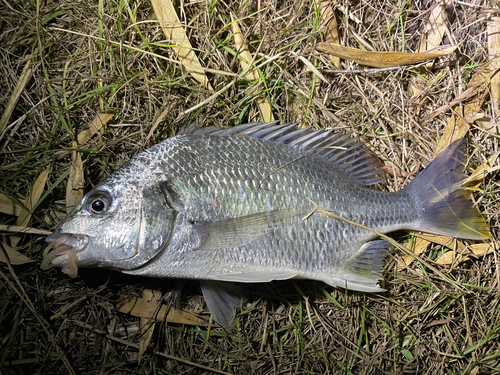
(339, 149)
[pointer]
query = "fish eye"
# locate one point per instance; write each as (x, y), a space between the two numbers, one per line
(98, 203)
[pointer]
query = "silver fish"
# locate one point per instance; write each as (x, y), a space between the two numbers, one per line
(241, 205)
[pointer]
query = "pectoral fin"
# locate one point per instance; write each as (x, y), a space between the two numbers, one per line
(230, 233)
(221, 301)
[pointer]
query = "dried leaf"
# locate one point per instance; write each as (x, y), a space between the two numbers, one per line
(330, 27)
(476, 178)
(431, 38)
(493, 28)
(475, 250)
(16, 94)
(449, 242)
(482, 249)
(143, 309)
(31, 201)
(459, 124)
(245, 61)
(313, 69)
(381, 59)
(487, 124)
(148, 324)
(93, 126)
(8, 207)
(174, 30)
(23, 229)
(451, 257)
(418, 247)
(9, 255)
(76, 181)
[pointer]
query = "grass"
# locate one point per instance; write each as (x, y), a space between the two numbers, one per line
(91, 56)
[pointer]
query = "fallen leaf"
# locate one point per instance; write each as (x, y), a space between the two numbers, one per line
(313, 69)
(265, 108)
(423, 240)
(449, 242)
(16, 94)
(31, 202)
(482, 249)
(493, 29)
(7, 206)
(477, 177)
(148, 324)
(459, 123)
(330, 26)
(430, 38)
(9, 255)
(141, 308)
(76, 180)
(474, 250)
(381, 59)
(23, 229)
(451, 257)
(174, 30)
(418, 247)
(93, 126)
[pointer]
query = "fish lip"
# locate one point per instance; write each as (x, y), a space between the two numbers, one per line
(63, 243)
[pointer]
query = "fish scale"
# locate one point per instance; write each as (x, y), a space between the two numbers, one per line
(305, 177)
(238, 205)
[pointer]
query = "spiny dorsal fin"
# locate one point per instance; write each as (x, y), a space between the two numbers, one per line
(342, 150)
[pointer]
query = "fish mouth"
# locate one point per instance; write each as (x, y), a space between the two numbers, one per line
(65, 247)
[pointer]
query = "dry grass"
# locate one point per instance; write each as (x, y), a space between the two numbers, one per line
(89, 56)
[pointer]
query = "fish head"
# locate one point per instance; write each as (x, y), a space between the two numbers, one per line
(121, 224)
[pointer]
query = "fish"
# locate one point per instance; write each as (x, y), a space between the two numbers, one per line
(257, 203)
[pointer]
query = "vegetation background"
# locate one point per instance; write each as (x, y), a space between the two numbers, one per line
(87, 84)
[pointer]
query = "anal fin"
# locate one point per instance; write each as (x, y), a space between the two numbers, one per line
(363, 272)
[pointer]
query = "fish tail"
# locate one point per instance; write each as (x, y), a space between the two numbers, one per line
(443, 201)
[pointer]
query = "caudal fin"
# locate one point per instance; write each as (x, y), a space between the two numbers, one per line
(443, 200)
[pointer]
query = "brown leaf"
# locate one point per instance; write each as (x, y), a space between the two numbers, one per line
(93, 126)
(7, 206)
(418, 247)
(265, 108)
(330, 27)
(9, 255)
(482, 249)
(148, 324)
(475, 250)
(76, 180)
(459, 123)
(475, 94)
(143, 309)
(449, 242)
(493, 28)
(381, 59)
(16, 94)
(23, 229)
(477, 177)
(32, 200)
(430, 38)
(174, 30)
(452, 257)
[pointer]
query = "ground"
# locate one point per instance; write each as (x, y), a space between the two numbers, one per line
(88, 57)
